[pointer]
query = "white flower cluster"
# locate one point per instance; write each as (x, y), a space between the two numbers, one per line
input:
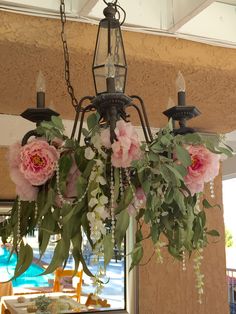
(199, 276)
(97, 204)
(158, 246)
(97, 144)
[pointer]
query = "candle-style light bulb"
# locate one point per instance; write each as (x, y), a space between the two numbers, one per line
(180, 86)
(40, 83)
(110, 72)
(110, 67)
(40, 89)
(180, 82)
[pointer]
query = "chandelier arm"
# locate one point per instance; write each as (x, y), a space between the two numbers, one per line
(75, 124)
(144, 115)
(27, 136)
(70, 88)
(144, 127)
(88, 108)
(78, 110)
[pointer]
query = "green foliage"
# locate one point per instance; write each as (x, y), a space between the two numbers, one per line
(228, 238)
(51, 129)
(170, 211)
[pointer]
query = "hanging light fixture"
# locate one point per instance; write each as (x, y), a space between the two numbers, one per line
(96, 186)
(109, 63)
(109, 74)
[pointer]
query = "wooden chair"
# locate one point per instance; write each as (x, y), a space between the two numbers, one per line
(59, 273)
(6, 288)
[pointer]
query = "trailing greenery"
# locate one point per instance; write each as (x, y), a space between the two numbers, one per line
(170, 211)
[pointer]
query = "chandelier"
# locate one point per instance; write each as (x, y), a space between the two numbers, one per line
(69, 187)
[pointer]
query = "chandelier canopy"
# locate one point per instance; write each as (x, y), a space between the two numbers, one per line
(71, 189)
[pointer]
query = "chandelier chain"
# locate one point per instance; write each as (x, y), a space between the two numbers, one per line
(70, 88)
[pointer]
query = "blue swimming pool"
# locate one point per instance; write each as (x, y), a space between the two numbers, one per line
(27, 279)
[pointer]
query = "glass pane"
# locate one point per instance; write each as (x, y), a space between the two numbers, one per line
(101, 48)
(116, 47)
(120, 79)
(100, 77)
(113, 289)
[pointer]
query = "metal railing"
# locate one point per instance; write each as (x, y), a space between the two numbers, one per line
(231, 278)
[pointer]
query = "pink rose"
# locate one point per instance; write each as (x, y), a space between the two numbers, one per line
(204, 168)
(126, 148)
(37, 161)
(24, 189)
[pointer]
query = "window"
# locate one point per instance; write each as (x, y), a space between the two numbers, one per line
(120, 290)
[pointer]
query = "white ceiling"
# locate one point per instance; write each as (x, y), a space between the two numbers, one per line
(207, 21)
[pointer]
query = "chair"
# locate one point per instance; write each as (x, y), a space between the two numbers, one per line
(6, 288)
(60, 273)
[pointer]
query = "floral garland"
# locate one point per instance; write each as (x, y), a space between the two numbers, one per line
(66, 189)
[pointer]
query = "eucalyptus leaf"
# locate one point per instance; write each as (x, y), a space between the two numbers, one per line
(108, 249)
(122, 225)
(57, 259)
(25, 258)
(92, 120)
(213, 233)
(125, 200)
(181, 169)
(174, 252)
(155, 233)
(146, 185)
(85, 267)
(85, 132)
(153, 157)
(192, 138)
(183, 155)
(136, 255)
(179, 198)
(225, 151)
(175, 171)
(139, 235)
(206, 204)
(57, 121)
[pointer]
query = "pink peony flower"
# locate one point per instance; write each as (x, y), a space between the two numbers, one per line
(24, 189)
(37, 161)
(126, 148)
(204, 168)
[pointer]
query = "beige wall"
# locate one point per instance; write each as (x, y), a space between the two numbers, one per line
(29, 44)
(7, 188)
(166, 289)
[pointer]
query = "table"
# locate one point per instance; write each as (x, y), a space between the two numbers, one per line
(11, 304)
